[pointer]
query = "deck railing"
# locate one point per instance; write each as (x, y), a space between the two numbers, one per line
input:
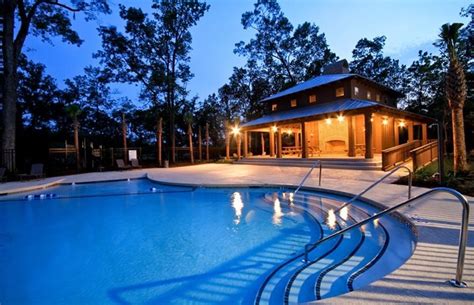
(424, 155)
(400, 153)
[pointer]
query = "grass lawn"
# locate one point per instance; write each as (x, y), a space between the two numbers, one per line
(426, 177)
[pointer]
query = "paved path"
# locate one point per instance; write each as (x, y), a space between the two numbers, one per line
(421, 280)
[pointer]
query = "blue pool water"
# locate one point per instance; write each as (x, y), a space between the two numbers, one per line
(138, 242)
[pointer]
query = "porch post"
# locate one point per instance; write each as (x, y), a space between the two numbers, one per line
(280, 146)
(297, 138)
(351, 123)
(424, 133)
(272, 142)
(410, 131)
(304, 143)
(262, 140)
(246, 148)
(239, 145)
(396, 133)
(369, 153)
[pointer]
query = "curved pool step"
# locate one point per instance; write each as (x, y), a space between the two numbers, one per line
(320, 280)
(272, 289)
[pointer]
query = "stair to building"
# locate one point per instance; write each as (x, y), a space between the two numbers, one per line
(337, 163)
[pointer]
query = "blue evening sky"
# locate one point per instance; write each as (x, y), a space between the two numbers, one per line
(409, 25)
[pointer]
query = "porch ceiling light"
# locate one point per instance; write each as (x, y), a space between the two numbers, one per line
(235, 130)
(340, 118)
(274, 128)
(385, 121)
(328, 121)
(402, 124)
(289, 131)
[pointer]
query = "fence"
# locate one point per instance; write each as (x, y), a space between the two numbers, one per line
(8, 159)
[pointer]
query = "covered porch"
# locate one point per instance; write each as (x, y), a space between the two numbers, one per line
(359, 132)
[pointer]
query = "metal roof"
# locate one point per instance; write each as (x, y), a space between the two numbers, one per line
(325, 108)
(312, 83)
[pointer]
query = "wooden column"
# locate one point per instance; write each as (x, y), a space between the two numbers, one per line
(280, 146)
(351, 124)
(304, 142)
(200, 144)
(396, 133)
(262, 140)
(246, 142)
(369, 153)
(297, 138)
(424, 133)
(410, 131)
(272, 142)
(239, 145)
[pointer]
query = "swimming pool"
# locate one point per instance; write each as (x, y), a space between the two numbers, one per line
(139, 242)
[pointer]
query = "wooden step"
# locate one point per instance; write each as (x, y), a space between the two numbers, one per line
(337, 163)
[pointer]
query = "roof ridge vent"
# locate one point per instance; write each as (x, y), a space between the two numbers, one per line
(339, 67)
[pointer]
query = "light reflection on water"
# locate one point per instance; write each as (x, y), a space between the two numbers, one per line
(331, 221)
(344, 213)
(277, 213)
(238, 205)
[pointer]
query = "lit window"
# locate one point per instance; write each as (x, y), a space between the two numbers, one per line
(312, 98)
(274, 107)
(340, 92)
(293, 103)
(356, 91)
(369, 95)
(377, 97)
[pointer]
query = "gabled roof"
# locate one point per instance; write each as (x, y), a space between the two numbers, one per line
(339, 106)
(324, 80)
(312, 83)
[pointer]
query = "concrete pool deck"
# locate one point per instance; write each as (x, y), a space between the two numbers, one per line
(421, 280)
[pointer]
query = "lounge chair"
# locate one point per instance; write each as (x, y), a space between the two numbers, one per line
(3, 177)
(121, 165)
(135, 163)
(35, 172)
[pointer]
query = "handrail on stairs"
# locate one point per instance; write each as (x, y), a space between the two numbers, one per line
(318, 162)
(457, 281)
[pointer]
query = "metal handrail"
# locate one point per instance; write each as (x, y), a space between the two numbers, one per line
(410, 178)
(457, 282)
(309, 173)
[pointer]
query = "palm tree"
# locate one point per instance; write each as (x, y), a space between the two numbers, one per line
(73, 111)
(188, 119)
(456, 91)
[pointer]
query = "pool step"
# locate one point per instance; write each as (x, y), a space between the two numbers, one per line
(332, 270)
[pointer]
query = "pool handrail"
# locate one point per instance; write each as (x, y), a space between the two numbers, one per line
(410, 179)
(317, 162)
(457, 281)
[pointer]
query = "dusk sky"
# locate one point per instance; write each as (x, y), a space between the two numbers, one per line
(409, 25)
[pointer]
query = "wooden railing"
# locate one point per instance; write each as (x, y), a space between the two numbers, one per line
(400, 153)
(424, 155)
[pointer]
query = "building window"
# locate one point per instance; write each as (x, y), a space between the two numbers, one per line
(377, 97)
(293, 103)
(312, 98)
(274, 107)
(340, 92)
(356, 91)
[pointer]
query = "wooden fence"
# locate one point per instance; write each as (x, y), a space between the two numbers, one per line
(398, 154)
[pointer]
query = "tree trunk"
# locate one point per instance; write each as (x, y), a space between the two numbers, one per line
(190, 136)
(10, 84)
(76, 143)
(200, 144)
(459, 141)
(173, 137)
(159, 135)
(124, 138)
(207, 142)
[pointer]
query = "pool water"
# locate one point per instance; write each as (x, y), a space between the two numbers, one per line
(138, 242)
